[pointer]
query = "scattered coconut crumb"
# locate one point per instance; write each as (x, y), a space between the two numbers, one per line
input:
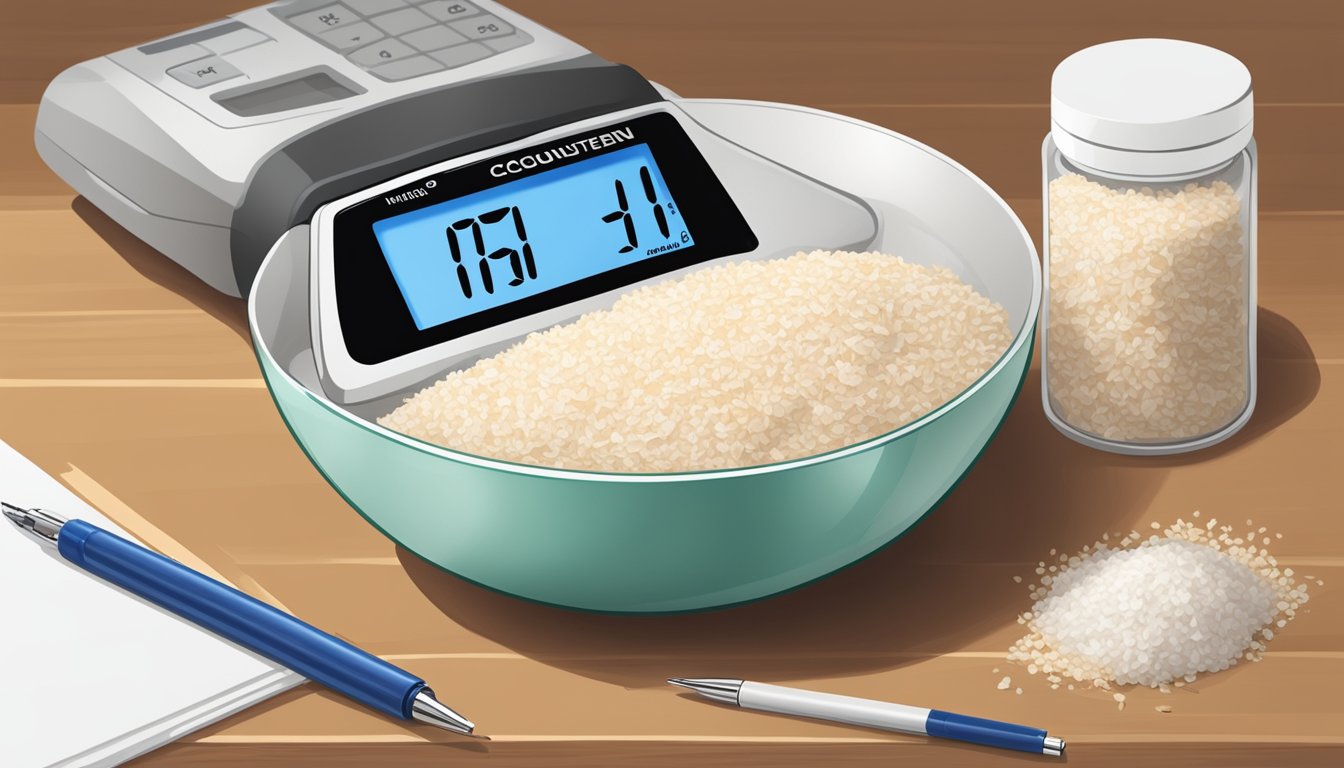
(1157, 611)
(735, 365)
(1006, 683)
(1120, 700)
(1163, 708)
(1019, 691)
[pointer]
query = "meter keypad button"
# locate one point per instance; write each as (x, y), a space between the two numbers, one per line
(407, 68)
(324, 18)
(447, 10)
(381, 53)
(459, 55)
(432, 38)
(482, 27)
(502, 44)
(377, 34)
(203, 72)
(351, 36)
(400, 22)
(371, 7)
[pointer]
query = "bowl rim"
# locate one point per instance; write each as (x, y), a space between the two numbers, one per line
(1022, 336)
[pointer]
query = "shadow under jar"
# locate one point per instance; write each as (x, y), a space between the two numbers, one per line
(1149, 174)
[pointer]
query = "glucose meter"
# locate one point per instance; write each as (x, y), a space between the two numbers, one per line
(465, 175)
(447, 264)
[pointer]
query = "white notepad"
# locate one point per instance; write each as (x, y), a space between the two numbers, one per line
(90, 675)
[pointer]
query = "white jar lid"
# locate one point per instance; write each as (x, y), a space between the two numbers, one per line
(1151, 107)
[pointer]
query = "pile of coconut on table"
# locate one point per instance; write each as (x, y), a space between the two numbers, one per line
(1156, 610)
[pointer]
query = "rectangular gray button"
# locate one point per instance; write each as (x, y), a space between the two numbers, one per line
(324, 18)
(502, 44)
(380, 53)
(400, 22)
(173, 56)
(203, 72)
(235, 40)
(407, 68)
(351, 36)
(370, 7)
(482, 27)
(446, 10)
(462, 54)
(432, 38)
(192, 36)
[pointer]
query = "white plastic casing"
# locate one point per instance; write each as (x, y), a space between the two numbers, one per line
(171, 165)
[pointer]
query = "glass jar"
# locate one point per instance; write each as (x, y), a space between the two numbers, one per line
(1149, 179)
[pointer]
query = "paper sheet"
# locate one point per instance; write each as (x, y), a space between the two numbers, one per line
(93, 676)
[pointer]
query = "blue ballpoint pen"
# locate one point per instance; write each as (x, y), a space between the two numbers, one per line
(874, 714)
(316, 655)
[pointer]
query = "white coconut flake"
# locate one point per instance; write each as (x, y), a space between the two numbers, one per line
(740, 364)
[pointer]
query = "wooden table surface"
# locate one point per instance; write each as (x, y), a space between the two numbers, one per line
(136, 385)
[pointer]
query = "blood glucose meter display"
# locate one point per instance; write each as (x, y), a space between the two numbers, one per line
(524, 237)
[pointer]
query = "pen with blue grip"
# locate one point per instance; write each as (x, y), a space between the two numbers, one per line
(874, 714)
(225, 611)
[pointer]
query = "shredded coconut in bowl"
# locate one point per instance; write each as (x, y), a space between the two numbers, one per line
(736, 365)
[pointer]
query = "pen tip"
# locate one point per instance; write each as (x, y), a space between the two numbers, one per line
(40, 523)
(717, 688)
(426, 708)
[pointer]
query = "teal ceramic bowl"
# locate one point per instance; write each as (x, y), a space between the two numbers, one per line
(686, 541)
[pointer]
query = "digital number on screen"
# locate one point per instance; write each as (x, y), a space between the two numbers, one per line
(525, 237)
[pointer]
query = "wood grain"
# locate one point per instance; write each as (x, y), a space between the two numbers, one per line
(1301, 156)
(125, 376)
(853, 52)
(719, 755)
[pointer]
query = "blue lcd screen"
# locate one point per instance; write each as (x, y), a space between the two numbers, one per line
(525, 237)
